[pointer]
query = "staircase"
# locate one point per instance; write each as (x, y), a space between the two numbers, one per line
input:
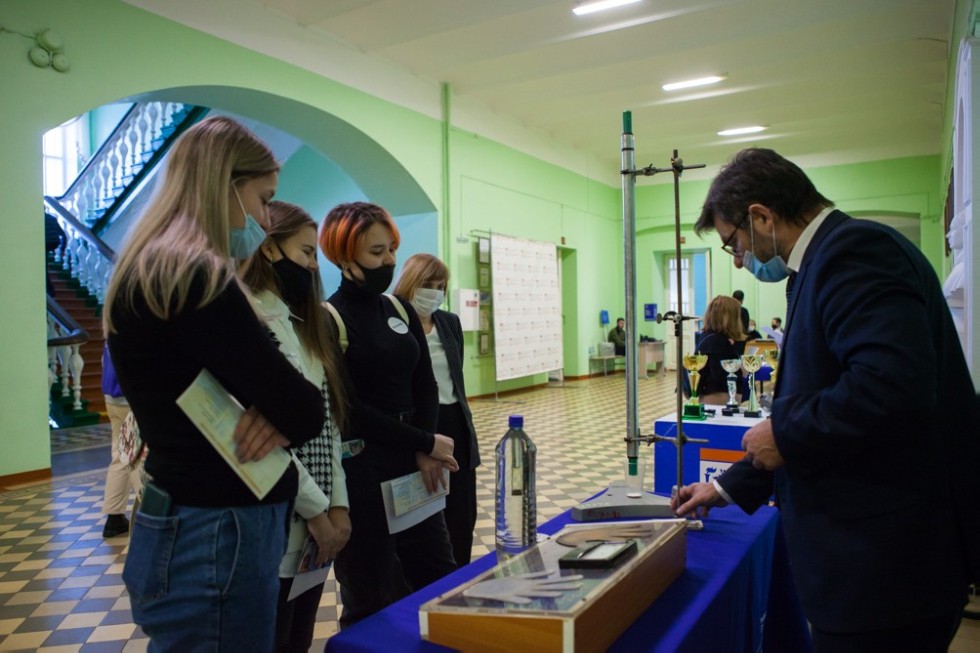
(80, 266)
(85, 310)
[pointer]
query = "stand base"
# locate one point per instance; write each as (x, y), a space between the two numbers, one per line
(620, 501)
(694, 411)
(753, 413)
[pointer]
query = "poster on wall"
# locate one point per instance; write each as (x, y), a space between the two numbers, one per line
(526, 307)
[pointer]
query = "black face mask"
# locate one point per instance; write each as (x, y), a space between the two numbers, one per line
(376, 280)
(295, 281)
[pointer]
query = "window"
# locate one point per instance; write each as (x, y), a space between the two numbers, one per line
(62, 155)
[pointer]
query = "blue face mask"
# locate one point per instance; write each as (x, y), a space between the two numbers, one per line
(243, 242)
(772, 270)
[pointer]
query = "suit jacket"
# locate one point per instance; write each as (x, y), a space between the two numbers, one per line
(451, 335)
(871, 414)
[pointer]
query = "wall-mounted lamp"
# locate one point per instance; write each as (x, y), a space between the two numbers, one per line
(47, 50)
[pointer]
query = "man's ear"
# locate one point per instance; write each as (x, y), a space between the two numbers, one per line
(762, 214)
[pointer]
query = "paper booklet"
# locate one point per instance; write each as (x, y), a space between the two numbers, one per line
(308, 575)
(215, 413)
(408, 503)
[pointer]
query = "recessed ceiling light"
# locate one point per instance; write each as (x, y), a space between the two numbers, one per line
(599, 5)
(691, 83)
(738, 131)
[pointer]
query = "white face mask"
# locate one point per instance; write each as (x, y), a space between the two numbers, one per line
(427, 300)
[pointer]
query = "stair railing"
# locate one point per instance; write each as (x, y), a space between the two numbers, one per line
(65, 339)
(83, 254)
(142, 137)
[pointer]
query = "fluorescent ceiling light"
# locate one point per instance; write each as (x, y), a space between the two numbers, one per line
(691, 83)
(738, 131)
(600, 5)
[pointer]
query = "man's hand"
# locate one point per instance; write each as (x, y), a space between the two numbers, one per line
(255, 436)
(696, 499)
(760, 447)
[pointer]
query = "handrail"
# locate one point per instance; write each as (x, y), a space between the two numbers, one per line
(76, 334)
(193, 116)
(82, 230)
(95, 155)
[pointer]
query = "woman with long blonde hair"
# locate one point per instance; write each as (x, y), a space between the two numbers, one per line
(202, 565)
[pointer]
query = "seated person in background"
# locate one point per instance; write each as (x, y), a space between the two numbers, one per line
(777, 325)
(721, 339)
(752, 333)
(617, 336)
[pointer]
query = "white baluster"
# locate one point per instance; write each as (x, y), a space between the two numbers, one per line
(64, 358)
(132, 141)
(77, 364)
(153, 112)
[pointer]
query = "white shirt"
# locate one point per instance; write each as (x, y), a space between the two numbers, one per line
(440, 368)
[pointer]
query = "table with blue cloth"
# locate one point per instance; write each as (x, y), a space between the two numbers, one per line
(736, 594)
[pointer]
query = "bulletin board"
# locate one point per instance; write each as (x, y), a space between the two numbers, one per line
(526, 307)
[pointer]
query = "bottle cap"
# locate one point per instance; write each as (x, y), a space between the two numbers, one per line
(516, 421)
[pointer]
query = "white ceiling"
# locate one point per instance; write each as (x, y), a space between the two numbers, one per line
(833, 80)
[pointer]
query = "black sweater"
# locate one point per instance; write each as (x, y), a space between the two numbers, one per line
(157, 359)
(718, 348)
(391, 374)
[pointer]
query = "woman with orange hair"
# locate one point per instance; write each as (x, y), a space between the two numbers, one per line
(395, 404)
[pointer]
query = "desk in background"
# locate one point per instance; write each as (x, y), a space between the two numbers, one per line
(651, 353)
(702, 462)
(736, 594)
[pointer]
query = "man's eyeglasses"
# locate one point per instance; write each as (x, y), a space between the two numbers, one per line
(726, 245)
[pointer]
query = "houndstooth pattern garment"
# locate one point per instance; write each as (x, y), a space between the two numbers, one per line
(317, 454)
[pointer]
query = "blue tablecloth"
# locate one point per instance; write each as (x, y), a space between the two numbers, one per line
(736, 594)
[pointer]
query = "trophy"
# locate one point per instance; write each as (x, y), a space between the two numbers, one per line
(752, 363)
(772, 357)
(693, 363)
(731, 365)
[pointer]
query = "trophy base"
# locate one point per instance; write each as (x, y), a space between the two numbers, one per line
(694, 411)
(730, 412)
(753, 413)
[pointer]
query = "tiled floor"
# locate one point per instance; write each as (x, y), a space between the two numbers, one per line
(60, 585)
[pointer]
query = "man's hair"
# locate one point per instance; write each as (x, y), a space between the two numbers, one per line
(739, 295)
(778, 320)
(620, 319)
(759, 176)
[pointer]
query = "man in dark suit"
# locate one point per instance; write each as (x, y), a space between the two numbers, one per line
(871, 437)
(743, 312)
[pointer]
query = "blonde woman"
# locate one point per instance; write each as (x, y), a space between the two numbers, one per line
(721, 338)
(423, 283)
(202, 565)
(284, 285)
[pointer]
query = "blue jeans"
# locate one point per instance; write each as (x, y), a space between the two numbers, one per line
(206, 579)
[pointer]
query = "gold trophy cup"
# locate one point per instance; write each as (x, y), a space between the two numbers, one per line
(693, 363)
(732, 365)
(752, 363)
(772, 357)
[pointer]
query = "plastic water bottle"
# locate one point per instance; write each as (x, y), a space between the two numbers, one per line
(516, 501)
